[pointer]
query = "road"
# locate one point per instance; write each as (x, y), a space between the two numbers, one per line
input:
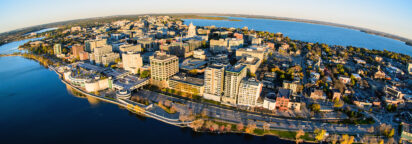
(237, 116)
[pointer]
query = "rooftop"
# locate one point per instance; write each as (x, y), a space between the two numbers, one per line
(188, 80)
(236, 68)
(162, 56)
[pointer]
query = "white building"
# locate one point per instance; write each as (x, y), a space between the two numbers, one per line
(249, 92)
(132, 62)
(214, 78)
(191, 31)
(269, 102)
(233, 77)
(199, 54)
(98, 84)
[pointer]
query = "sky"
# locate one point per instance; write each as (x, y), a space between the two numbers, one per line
(391, 16)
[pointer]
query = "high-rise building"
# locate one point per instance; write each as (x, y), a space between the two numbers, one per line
(57, 49)
(249, 92)
(76, 50)
(103, 53)
(191, 31)
(91, 44)
(233, 76)
(132, 62)
(109, 58)
(214, 80)
(163, 66)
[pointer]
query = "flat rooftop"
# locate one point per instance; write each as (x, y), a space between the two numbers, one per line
(188, 80)
(236, 68)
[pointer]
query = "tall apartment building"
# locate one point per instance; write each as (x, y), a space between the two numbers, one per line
(163, 66)
(57, 49)
(132, 61)
(233, 77)
(91, 44)
(103, 55)
(214, 80)
(249, 92)
(109, 58)
(76, 50)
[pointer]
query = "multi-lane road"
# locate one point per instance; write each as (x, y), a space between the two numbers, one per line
(233, 115)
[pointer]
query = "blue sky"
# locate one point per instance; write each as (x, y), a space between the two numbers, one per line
(392, 16)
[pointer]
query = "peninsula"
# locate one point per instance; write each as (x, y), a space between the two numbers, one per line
(232, 80)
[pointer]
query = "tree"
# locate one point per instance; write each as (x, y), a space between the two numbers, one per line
(204, 113)
(145, 74)
(250, 128)
(193, 72)
(298, 136)
(240, 126)
(186, 117)
(346, 139)
(229, 127)
(315, 107)
(197, 124)
(320, 134)
(222, 128)
(391, 133)
(266, 126)
(334, 138)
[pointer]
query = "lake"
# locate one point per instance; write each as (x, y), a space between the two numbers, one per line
(42, 31)
(312, 33)
(36, 107)
(12, 47)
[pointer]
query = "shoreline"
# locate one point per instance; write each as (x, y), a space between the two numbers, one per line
(144, 112)
(210, 16)
(364, 30)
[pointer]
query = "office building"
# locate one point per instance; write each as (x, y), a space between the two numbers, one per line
(163, 66)
(132, 62)
(187, 85)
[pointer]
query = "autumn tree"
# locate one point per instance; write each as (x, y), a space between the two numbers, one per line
(320, 134)
(229, 127)
(266, 126)
(250, 128)
(240, 126)
(298, 136)
(197, 124)
(346, 139)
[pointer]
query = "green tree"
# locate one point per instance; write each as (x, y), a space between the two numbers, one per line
(145, 74)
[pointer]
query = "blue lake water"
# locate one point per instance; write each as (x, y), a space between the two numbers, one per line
(36, 107)
(312, 33)
(42, 30)
(13, 46)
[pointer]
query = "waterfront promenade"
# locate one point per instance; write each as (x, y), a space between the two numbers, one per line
(149, 111)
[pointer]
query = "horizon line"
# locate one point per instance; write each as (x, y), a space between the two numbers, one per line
(326, 23)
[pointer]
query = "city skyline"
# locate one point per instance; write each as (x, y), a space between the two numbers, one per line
(390, 17)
